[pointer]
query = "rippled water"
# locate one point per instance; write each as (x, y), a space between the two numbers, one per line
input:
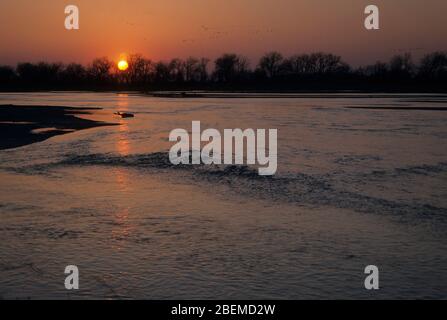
(354, 187)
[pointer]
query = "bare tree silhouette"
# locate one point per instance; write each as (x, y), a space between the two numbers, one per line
(230, 67)
(270, 64)
(100, 71)
(177, 70)
(141, 71)
(7, 75)
(434, 66)
(314, 71)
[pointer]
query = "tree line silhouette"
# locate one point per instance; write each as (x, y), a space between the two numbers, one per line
(304, 72)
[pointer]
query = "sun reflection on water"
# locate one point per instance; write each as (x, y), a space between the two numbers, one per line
(122, 141)
(122, 217)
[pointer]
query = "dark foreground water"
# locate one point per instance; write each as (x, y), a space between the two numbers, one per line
(354, 187)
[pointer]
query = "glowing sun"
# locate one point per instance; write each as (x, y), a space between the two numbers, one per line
(123, 65)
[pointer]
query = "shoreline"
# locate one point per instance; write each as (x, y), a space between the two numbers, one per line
(21, 125)
(247, 94)
(288, 95)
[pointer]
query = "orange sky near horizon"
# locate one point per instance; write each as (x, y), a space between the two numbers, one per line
(161, 30)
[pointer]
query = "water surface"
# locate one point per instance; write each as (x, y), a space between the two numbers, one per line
(354, 187)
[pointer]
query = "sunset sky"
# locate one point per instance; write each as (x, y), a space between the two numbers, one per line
(160, 30)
